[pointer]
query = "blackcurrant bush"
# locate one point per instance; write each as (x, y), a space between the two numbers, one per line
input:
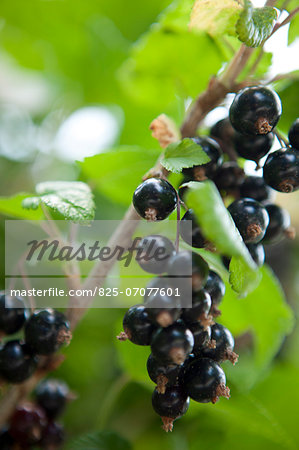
(279, 224)
(193, 236)
(163, 375)
(294, 134)
(153, 253)
(52, 395)
(162, 309)
(137, 326)
(46, 331)
(52, 436)
(256, 188)
(257, 253)
(13, 314)
(204, 381)
(224, 345)
(171, 405)
(172, 345)
(229, 177)
(16, 362)
(251, 219)
(253, 147)
(213, 150)
(201, 305)
(201, 335)
(255, 110)
(186, 264)
(281, 170)
(155, 199)
(215, 287)
(27, 424)
(6, 440)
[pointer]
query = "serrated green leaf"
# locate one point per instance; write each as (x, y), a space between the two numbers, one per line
(183, 154)
(73, 200)
(100, 440)
(14, 207)
(241, 279)
(255, 24)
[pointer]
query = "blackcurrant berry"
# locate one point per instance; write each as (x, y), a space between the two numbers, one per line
(201, 335)
(251, 219)
(255, 110)
(279, 224)
(162, 309)
(52, 436)
(154, 252)
(201, 305)
(215, 287)
(186, 264)
(281, 170)
(223, 131)
(256, 188)
(192, 235)
(46, 331)
(16, 362)
(6, 440)
(163, 375)
(213, 150)
(172, 345)
(257, 253)
(158, 284)
(13, 314)
(204, 381)
(253, 147)
(224, 345)
(155, 199)
(229, 177)
(137, 326)
(27, 424)
(52, 395)
(294, 134)
(171, 405)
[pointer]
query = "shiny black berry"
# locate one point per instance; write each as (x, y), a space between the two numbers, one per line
(16, 362)
(163, 375)
(27, 424)
(162, 309)
(6, 440)
(255, 110)
(187, 264)
(153, 253)
(253, 147)
(279, 224)
(229, 177)
(213, 150)
(215, 287)
(223, 131)
(281, 170)
(172, 345)
(204, 381)
(137, 325)
(155, 199)
(13, 314)
(201, 305)
(256, 188)
(53, 436)
(201, 335)
(171, 405)
(52, 395)
(257, 253)
(251, 219)
(224, 345)
(294, 134)
(46, 331)
(191, 232)
(158, 284)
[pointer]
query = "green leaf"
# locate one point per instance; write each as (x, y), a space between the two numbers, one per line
(288, 92)
(73, 200)
(216, 17)
(294, 24)
(117, 173)
(255, 24)
(100, 440)
(242, 279)
(219, 228)
(12, 207)
(183, 154)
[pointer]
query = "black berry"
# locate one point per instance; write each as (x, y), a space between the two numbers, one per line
(27, 424)
(201, 305)
(162, 309)
(171, 405)
(155, 199)
(223, 131)
(172, 345)
(279, 224)
(163, 375)
(213, 150)
(16, 362)
(257, 253)
(13, 314)
(255, 110)
(153, 253)
(229, 177)
(204, 381)
(256, 188)
(137, 326)
(251, 219)
(253, 147)
(187, 264)
(294, 134)
(215, 287)
(191, 233)
(52, 395)
(46, 331)
(158, 284)
(224, 345)
(281, 170)
(201, 335)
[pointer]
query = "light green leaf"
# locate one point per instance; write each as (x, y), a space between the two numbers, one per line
(288, 91)
(73, 200)
(183, 154)
(255, 24)
(241, 279)
(12, 207)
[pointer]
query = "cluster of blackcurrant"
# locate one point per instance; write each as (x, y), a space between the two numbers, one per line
(186, 344)
(33, 424)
